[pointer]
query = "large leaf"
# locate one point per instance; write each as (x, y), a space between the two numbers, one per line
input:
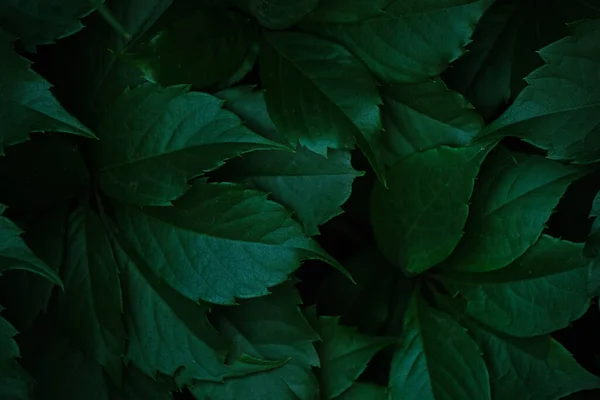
(422, 116)
(504, 48)
(559, 110)
(348, 11)
(26, 103)
(344, 354)
(512, 201)
(14, 253)
(178, 53)
(320, 95)
(312, 186)
(542, 291)
(43, 22)
(413, 41)
(277, 14)
(362, 391)
(419, 220)
(154, 140)
(219, 242)
(530, 369)
(137, 386)
(14, 381)
(436, 359)
(91, 304)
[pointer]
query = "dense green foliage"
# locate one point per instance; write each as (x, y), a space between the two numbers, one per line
(300, 199)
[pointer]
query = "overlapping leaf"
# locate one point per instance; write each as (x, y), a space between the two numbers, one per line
(154, 140)
(419, 220)
(347, 11)
(413, 41)
(512, 201)
(14, 381)
(277, 14)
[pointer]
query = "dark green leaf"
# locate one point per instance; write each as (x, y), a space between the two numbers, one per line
(91, 305)
(43, 22)
(422, 116)
(530, 369)
(14, 253)
(15, 384)
(419, 220)
(277, 14)
(154, 140)
(219, 242)
(364, 391)
(436, 359)
(26, 103)
(413, 41)
(347, 11)
(179, 52)
(137, 386)
(514, 197)
(344, 354)
(541, 292)
(592, 245)
(559, 111)
(321, 96)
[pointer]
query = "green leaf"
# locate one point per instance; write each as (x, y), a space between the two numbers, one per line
(137, 386)
(541, 292)
(295, 180)
(413, 41)
(559, 110)
(512, 201)
(26, 103)
(91, 305)
(178, 53)
(277, 14)
(419, 220)
(592, 245)
(43, 22)
(362, 391)
(347, 11)
(219, 242)
(321, 96)
(436, 359)
(15, 384)
(530, 369)
(167, 332)
(154, 140)
(344, 354)
(422, 116)
(14, 253)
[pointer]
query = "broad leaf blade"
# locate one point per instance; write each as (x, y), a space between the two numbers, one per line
(14, 253)
(422, 116)
(419, 220)
(541, 292)
(362, 390)
(154, 140)
(511, 203)
(347, 11)
(91, 305)
(277, 14)
(26, 103)
(413, 41)
(437, 359)
(559, 110)
(344, 354)
(177, 54)
(137, 386)
(14, 381)
(321, 96)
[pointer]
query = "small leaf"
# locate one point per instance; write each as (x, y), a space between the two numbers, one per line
(514, 197)
(347, 11)
(277, 14)
(14, 253)
(559, 110)
(436, 359)
(413, 41)
(422, 116)
(26, 103)
(91, 305)
(344, 354)
(178, 53)
(419, 220)
(321, 96)
(219, 242)
(14, 381)
(154, 140)
(541, 292)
